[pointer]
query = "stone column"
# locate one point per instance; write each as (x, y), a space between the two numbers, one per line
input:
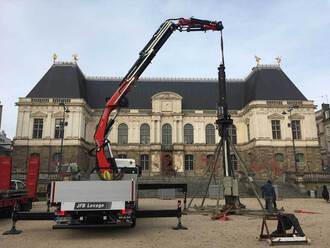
(130, 131)
(198, 132)
(135, 134)
(82, 126)
(180, 129)
(79, 124)
(75, 124)
(26, 132)
(48, 126)
(159, 131)
(152, 132)
(19, 125)
(155, 123)
(202, 133)
(68, 130)
(175, 136)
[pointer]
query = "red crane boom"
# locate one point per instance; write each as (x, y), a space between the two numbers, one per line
(106, 165)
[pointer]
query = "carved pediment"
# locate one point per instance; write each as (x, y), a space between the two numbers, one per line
(38, 114)
(166, 95)
(166, 102)
(59, 114)
(276, 116)
(297, 116)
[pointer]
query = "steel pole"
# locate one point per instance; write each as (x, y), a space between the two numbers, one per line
(62, 139)
(294, 147)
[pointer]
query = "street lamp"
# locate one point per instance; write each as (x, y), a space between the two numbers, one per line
(293, 138)
(63, 123)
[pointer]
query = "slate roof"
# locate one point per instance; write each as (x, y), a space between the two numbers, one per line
(263, 83)
(270, 83)
(63, 80)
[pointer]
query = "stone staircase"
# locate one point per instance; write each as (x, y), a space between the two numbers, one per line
(198, 185)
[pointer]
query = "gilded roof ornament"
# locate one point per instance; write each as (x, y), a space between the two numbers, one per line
(258, 59)
(75, 57)
(278, 60)
(54, 58)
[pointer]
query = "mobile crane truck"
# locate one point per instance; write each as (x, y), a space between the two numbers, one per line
(110, 197)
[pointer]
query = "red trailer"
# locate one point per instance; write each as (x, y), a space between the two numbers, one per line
(22, 197)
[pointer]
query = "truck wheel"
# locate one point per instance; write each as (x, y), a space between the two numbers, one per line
(7, 213)
(133, 223)
(26, 206)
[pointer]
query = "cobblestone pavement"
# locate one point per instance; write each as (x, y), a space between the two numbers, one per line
(240, 231)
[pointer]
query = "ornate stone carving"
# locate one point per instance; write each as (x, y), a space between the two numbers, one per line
(297, 116)
(38, 114)
(167, 106)
(276, 116)
(165, 95)
(59, 114)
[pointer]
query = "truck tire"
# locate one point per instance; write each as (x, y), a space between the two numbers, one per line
(26, 206)
(6, 213)
(133, 223)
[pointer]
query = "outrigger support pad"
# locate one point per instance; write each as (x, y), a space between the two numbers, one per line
(13, 229)
(179, 226)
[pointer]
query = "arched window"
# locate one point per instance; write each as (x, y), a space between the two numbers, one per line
(144, 134)
(279, 157)
(188, 134)
(232, 134)
(300, 158)
(122, 134)
(210, 134)
(167, 134)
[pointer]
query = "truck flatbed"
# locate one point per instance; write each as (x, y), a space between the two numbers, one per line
(22, 198)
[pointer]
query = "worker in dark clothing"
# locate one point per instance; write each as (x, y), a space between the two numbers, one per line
(325, 193)
(268, 193)
(274, 202)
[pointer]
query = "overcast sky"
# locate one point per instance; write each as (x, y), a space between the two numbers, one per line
(107, 36)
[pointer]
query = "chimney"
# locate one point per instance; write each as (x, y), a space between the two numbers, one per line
(325, 106)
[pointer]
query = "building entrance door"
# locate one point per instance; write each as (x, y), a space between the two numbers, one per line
(167, 168)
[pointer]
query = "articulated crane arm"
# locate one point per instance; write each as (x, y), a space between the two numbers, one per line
(106, 165)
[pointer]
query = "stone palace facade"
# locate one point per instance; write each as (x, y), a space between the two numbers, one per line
(168, 127)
